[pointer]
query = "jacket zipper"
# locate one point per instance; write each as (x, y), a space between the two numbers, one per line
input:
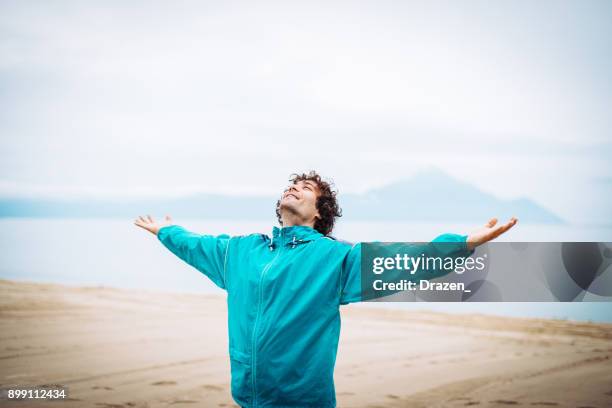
(255, 326)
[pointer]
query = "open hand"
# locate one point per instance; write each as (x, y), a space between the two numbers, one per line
(488, 232)
(151, 225)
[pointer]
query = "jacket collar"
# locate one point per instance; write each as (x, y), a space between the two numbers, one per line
(294, 235)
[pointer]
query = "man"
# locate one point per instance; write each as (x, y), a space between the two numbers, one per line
(284, 293)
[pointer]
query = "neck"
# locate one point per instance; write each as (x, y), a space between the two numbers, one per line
(290, 220)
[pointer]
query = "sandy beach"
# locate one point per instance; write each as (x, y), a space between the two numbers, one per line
(134, 348)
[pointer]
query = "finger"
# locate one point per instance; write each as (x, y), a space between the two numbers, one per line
(142, 219)
(168, 218)
(150, 219)
(142, 226)
(491, 222)
(503, 228)
(511, 223)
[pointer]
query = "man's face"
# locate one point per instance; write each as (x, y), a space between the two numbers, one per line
(300, 199)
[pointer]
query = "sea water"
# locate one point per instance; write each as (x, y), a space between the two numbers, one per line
(115, 252)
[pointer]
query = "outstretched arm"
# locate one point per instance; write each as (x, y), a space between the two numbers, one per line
(206, 253)
(443, 246)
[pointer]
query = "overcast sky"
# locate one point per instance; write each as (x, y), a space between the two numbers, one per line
(110, 98)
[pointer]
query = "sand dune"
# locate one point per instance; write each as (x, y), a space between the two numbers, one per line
(130, 348)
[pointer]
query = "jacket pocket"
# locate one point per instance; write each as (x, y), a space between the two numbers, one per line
(241, 376)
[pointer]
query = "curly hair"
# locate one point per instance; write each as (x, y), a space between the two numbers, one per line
(327, 205)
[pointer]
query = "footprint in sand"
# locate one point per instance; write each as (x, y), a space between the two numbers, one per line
(107, 405)
(392, 396)
(99, 387)
(184, 402)
(548, 403)
(505, 402)
(164, 383)
(472, 403)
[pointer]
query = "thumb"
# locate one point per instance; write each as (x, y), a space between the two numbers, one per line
(168, 218)
(491, 222)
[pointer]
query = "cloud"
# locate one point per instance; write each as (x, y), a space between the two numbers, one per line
(113, 98)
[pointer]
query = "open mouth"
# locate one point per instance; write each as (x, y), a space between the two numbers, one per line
(291, 195)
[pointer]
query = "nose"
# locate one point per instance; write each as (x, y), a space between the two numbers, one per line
(292, 189)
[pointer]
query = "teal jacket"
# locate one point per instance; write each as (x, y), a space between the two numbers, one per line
(283, 299)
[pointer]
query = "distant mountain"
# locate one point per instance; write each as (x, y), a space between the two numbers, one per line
(427, 196)
(435, 196)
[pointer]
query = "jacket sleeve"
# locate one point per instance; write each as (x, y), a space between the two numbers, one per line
(453, 245)
(206, 253)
